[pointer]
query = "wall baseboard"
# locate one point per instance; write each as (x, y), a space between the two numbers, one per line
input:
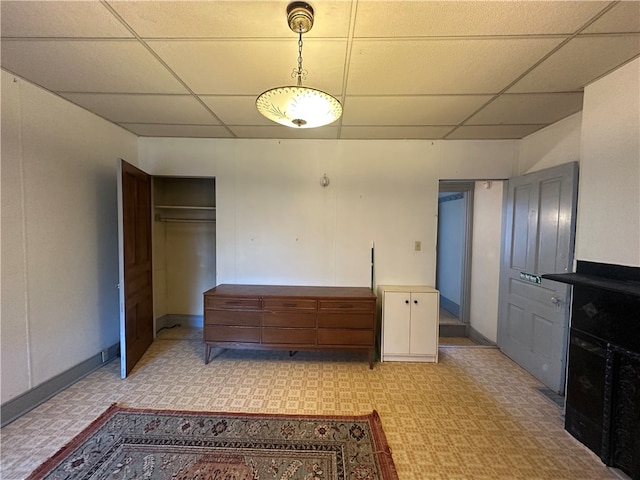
(480, 339)
(15, 408)
(173, 320)
(450, 306)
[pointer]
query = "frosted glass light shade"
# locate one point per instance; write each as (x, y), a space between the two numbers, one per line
(299, 107)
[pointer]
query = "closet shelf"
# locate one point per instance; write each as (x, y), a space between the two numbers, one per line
(185, 214)
(184, 207)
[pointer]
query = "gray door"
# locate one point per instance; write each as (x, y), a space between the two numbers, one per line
(538, 238)
(136, 294)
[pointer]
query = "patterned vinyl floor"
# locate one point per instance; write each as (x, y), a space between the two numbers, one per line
(475, 415)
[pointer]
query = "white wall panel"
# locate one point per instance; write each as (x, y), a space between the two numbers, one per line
(485, 260)
(554, 145)
(68, 190)
(14, 335)
(190, 266)
(608, 228)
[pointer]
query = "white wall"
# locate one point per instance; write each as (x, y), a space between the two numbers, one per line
(183, 266)
(554, 145)
(277, 225)
(485, 259)
(608, 228)
(59, 234)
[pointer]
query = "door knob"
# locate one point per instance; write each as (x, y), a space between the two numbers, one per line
(556, 301)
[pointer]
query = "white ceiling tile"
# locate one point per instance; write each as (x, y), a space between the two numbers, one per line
(578, 63)
(411, 110)
(280, 131)
(169, 109)
(467, 18)
(480, 66)
(237, 67)
(624, 17)
(234, 19)
(59, 19)
(394, 132)
(491, 132)
(528, 109)
(88, 66)
(199, 131)
(410, 68)
(236, 110)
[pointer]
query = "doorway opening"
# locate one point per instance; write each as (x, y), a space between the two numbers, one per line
(453, 268)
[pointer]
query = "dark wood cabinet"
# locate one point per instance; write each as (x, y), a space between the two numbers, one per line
(603, 375)
(290, 318)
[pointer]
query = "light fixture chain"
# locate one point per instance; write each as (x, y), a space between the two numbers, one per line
(300, 73)
(300, 53)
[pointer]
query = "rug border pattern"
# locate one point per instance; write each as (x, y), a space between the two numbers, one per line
(382, 449)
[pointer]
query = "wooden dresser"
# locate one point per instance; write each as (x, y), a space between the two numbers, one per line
(290, 318)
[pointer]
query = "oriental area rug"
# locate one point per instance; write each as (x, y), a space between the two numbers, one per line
(125, 443)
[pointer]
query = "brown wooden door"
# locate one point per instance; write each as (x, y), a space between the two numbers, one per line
(136, 294)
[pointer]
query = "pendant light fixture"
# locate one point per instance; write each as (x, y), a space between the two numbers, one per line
(298, 106)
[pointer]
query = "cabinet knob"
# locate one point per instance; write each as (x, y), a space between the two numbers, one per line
(406, 301)
(415, 301)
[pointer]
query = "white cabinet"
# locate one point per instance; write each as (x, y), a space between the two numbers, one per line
(409, 323)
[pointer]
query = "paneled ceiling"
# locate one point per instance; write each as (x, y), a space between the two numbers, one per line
(401, 69)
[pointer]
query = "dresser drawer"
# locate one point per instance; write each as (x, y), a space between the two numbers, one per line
(348, 305)
(298, 320)
(223, 333)
(279, 304)
(330, 336)
(346, 320)
(232, 303)
(289, 336)
(223, 317)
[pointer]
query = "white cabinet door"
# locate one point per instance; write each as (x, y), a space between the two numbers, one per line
(409, 323)
(424, 333)
(397, 322)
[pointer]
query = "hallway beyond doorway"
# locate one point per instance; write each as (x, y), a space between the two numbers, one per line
(451, 325)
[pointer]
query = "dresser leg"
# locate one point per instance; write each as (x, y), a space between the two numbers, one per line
(207, 352)
(371, 359)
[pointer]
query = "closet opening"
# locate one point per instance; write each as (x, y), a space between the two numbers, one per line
(184, 248)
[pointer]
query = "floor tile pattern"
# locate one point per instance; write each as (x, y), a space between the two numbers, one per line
(475, 415)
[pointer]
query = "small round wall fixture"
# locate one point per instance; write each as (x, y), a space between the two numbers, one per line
(324, 181)
(294, 105)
